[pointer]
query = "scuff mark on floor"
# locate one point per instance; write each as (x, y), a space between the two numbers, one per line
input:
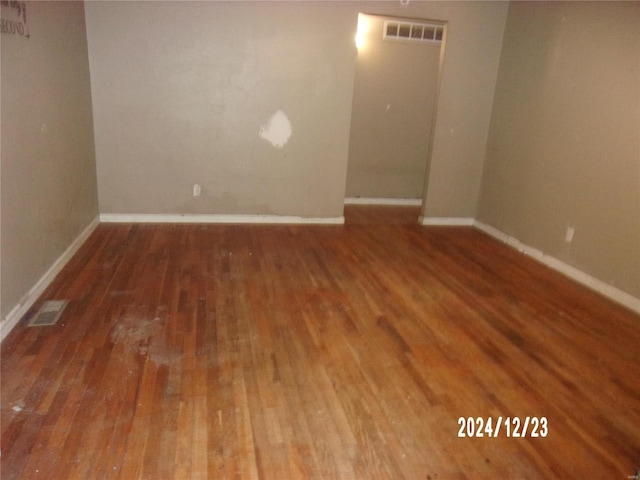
(136, 333)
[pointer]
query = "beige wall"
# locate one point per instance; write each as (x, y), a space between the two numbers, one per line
(393, 99)
(564, 147)
(181, 89)
(48, 166)
(469, 71)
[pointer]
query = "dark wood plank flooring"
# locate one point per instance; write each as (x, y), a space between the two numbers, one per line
(284, 352)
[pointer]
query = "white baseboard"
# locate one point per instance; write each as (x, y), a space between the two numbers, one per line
(206, 218)
(446, 221)
(579, 276)
(14, 316)
(414, 202)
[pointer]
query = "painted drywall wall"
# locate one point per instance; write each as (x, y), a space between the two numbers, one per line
(249, 100)
(182, 89)
(464, 101)
(564, 147)
(393, 99)
(48, 163)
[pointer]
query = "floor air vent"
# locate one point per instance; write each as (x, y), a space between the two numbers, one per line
(49, 313)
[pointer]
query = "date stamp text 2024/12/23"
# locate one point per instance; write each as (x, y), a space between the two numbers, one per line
(509, 427)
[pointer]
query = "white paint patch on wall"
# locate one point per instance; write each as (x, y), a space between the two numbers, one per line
(277, 130)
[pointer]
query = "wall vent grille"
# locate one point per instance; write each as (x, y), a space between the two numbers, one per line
(412, 31)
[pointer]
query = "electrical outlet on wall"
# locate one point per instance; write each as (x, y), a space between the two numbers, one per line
(569, 235)
(196, 190)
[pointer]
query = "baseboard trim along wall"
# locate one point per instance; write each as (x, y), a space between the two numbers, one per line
(205, 218)
(446, 221)
(14, 316)
(414, 202)
(579, 276)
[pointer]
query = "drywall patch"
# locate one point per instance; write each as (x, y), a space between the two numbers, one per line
(277, 130)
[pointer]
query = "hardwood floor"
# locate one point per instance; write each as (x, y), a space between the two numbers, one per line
(284, 352)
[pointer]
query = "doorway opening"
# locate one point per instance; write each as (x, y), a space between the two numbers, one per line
(396, 85)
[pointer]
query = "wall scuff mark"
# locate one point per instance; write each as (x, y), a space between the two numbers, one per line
(277, 130)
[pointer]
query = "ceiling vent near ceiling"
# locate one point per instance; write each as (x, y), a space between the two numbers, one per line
(412, 31)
